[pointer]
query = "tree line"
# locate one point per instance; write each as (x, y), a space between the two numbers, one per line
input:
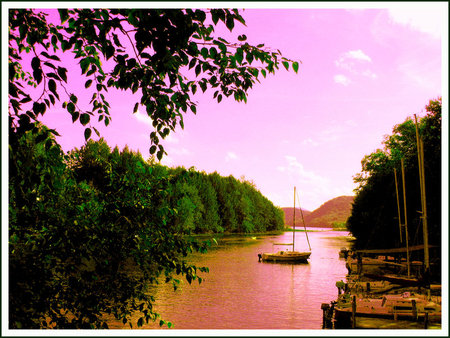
(374, 220)
(80, 222)
(201, 203)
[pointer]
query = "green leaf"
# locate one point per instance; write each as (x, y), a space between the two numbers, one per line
(87, 133)
(84, 64)
(204, 52)
(75, 116)
(132, 19)
(62, 73)
(198, 69)
(213, 52)
(88, 83)
(37, 74)
(70, 107)
(230, 23)
(295, 67)
(52, 85)
(63, 14)
(84, 119)
(286, 65)
(239, 55)
(192, 63)
(136, 107)
(35, 63)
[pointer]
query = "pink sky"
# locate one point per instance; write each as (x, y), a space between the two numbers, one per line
(362, 72)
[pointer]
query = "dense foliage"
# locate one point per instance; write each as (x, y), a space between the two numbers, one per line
(374, 218)
(90, 231)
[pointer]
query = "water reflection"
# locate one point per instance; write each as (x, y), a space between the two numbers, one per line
(242, 293)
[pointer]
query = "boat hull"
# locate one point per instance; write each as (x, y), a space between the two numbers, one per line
(286, 257)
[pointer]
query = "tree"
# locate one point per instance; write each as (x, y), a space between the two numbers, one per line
(168, 47)
(374, 217)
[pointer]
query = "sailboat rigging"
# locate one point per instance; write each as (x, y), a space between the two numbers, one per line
(289, 256)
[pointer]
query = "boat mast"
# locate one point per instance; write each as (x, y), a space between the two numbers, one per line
(304, 225)
(398, 207)
(420, 156)
(293, 232)
(406, 221)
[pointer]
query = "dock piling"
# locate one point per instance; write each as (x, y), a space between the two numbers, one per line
(353, 311)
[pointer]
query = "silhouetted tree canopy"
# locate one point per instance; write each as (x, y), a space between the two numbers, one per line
(164, 55)
(374, 218)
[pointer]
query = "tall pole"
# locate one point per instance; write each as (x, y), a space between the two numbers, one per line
(424, 212)
(406, 221)
(420, 157)
(398, 207)
(303, 220)
(293, 232)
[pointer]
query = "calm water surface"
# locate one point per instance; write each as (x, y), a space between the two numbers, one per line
(241, 293)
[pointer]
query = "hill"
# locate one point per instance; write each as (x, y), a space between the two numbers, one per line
(336, 210)
(289, 214)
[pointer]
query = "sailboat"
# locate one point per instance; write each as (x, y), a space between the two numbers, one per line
(286, 256)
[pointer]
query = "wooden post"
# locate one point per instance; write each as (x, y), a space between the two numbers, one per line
(406, 221)
(325, 315)
(353, 311)
(414, 308)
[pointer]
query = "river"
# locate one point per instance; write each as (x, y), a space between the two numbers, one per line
(241, 293)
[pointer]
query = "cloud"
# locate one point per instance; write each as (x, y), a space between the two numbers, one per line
(425, 20)
(370, 74)
(230, 156)
(310, 142)
(342, 79)
(143, 118)
(172, 139)
(357, 55)
(349, 59)
(297, 169)
(312, 188)
(355, 62)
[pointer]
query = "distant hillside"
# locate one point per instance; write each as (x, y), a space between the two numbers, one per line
(289, 214)
(336, 210)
